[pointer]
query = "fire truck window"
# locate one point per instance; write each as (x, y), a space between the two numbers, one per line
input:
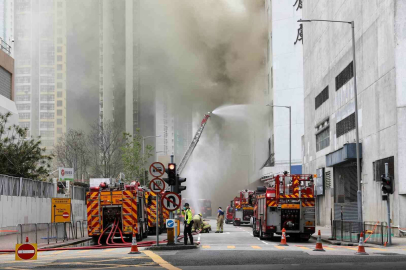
(230, 210)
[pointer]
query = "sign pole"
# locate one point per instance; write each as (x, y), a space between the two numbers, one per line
(388, 206)
(157, 219)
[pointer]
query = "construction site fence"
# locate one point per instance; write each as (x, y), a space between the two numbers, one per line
(51, 233)
(18, 186)
(375, 232)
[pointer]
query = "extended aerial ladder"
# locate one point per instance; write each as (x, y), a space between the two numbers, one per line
(193, 144)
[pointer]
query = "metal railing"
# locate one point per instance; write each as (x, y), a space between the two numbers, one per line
(17, 186)
(48, 233)
(348, 231)
(4, 46)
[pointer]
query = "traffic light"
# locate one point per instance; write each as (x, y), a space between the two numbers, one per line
(387, 184)
(171, 171)
(178, 185)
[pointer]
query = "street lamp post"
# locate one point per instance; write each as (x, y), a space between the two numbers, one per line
(359, 193)
(290, 134)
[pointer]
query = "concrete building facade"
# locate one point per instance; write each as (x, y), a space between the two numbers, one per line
(329, 108)
(7, 104)
(285, 84)
(40, 68)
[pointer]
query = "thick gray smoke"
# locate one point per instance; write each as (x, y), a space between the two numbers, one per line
(206, 54)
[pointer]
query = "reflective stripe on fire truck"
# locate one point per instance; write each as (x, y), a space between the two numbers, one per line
(289, 196)
(93, 213)
(272, 204)
(307, 196)
(129, 212)
(308, 204)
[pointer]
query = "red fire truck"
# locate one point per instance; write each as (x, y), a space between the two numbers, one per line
(243, 208)
(285, 201)
(205, 207)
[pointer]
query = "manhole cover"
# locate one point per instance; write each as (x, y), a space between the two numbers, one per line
(387, 253)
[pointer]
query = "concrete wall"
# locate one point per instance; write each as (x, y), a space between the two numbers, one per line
(22, 210)
(380, 82)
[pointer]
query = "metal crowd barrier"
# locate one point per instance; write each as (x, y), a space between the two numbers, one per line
(42, 233)
(348, 231)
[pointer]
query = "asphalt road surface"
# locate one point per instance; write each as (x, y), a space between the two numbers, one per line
(236, 248)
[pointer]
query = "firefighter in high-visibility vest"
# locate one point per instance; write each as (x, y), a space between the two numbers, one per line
(188, 224)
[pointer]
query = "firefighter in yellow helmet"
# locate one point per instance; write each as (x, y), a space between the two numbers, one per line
(188, 224)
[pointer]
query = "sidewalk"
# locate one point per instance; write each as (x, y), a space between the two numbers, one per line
(326, 237)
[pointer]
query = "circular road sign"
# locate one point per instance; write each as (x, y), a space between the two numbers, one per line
(157, 169)
(63, 172)
(157, 185)
(171, 201)
(26, 252)
(65, 215)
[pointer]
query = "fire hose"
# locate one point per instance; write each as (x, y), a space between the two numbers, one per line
(114, 228)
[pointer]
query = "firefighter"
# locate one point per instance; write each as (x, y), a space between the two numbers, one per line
(220, 220)
(197, 222)
(188, 223)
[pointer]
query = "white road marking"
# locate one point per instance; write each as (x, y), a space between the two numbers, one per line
(265, 243)
(198, 238)
(251, 234)
(258, 239)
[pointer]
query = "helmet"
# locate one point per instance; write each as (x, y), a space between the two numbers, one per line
(186, 204)
(200, 214)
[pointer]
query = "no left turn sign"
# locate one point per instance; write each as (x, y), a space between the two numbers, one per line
(171, 201)
(157, 185)
(157, 169)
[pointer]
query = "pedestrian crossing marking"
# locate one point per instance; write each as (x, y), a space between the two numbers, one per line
(352, 248)
(304, 248)
(109, 250)
(230, 246)
(256, 247)
(328, 248)
(381, 249)
(58, 252)
(205, 246)
(280, 247)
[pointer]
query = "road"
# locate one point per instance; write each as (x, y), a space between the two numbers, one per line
(236, 248)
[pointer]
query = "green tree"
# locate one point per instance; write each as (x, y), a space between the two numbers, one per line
(134, 160)
(21, 156)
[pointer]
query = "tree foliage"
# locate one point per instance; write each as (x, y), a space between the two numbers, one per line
(21, 156)
(72, 151)
(134, 160)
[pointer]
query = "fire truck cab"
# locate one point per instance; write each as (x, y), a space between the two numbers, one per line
(285, 201)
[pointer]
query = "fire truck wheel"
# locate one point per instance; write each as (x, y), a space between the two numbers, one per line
(95, 239)
(254, 232)
(261, 234)
(234, 224)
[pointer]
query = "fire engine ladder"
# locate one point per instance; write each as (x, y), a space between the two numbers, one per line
(193, 144)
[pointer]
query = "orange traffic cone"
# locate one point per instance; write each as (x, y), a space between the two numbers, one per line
(361, 248)
(134, 246)
(26, 239)
(319, 244)
(283, 238)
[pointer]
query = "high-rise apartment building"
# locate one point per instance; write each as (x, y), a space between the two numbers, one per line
(40, 67)
(285, 83)
(119, 63)
(7, 24)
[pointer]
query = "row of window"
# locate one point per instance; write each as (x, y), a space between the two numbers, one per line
(341, 79)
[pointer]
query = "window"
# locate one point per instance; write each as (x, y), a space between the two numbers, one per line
(47, 142)
(59, 58)
(46, 124)
(47, 71)
(47, 88)
(344, 76)
(47, 107)
(59, 94)
(322, 97)
(59, 121)
(24, 124)
(59, 85)
(23, 88)
(379, 167)
(59, 130)
(46, 133)
(345, 125)
(59, 49)
(47, 98)
(59, 67)
(23, 107)
(23, 97)
(25, 70)
(25, 79)
(60, 40)
(44, 79)
(59, 112)
(60, 76)
(323, 139)
(46, 115)
(59, 103)
(24, 115)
